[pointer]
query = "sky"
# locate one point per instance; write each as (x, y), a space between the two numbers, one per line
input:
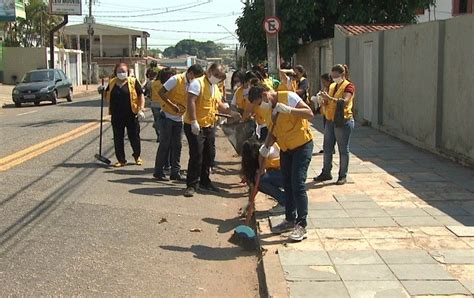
(195, 19)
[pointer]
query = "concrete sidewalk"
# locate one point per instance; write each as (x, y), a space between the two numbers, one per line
(79, 91)
(403, 226)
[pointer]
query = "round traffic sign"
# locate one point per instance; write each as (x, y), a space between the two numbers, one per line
(272, 25)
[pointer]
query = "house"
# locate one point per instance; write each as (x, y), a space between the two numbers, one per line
(110, 45)
(182, 62)
(445, 9)
(70, 61)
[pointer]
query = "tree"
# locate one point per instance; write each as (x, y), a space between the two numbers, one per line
(34, 30)
(308, 20)
(192, 47)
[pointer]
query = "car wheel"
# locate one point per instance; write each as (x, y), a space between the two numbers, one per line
(37, 103)
(18, 104)
(69, 95)
(55, 98)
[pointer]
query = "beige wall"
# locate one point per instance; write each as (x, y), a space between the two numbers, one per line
(422, 83)
(316, 58)
(17, 61)
(112, 46)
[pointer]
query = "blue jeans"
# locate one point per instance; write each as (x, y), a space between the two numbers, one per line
(156, 120)
(271, 183)
(341, 136)
(294, 166)
(169, 150)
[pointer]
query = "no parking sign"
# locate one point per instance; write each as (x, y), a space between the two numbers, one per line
(272, 25)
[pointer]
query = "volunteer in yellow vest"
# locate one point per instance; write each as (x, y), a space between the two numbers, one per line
(271, 179)
(290, 130)
(172, 97)
(203, 99)
(124, 95)
(240, 100)
(302, 84)
(339, 123)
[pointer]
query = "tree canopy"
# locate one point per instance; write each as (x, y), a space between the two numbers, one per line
(308, 20)
(34, 31)
(201, 49)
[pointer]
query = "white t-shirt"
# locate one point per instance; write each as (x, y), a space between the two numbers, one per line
(194, 87)
(293, 99)
(170, 85)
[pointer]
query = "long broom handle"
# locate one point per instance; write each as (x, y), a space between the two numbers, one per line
(101, 117)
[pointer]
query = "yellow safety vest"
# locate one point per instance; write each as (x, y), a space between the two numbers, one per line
(134, 102)
(330, 108)
(177, 95)
(206, 104)
(241, 101)
(284, 86)
(290, 131)
(273, 163)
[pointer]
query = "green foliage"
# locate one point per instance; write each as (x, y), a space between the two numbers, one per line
(154, 52)
(34, 31)
(192, 47)
(308, 20)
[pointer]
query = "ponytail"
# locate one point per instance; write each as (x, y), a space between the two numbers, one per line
(342, 69)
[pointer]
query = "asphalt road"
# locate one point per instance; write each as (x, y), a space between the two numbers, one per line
(71, 226)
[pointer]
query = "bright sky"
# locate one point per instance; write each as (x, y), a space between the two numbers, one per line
(195, 19)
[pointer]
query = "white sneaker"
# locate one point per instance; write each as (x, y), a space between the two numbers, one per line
(298, 233)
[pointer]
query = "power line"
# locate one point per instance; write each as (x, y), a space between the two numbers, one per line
(168, 21)
(156, 13)
(174, 31)
(140, 9)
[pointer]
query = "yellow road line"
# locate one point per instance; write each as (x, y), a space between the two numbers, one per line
(33, 151)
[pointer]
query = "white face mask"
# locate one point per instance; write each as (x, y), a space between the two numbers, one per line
(338, 80)
(266, 105)
(122, 75)
(214, 80)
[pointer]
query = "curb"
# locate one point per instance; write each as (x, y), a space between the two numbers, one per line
(8, 101)
(273, 274)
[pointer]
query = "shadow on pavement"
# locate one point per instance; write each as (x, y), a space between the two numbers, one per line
(207, 253)
(224, 226)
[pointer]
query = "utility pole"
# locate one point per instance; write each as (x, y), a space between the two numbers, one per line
(90, 33)
(273, 48)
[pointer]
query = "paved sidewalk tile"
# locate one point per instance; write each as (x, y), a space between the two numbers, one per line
(371, 222)
(308, 258)
(454, 256)
(406, 256)
(323, 206)
(406, 212)
(375, 289)
(353, 198)
(367, 212)
(332, 223)
(359, 205)
(462, 231)
(420, 272)
(365, 272)
(351, 257)
(468, 284)
(413, 221)
(316, 273)
(337, 213)
(333, 289)
(434, 287)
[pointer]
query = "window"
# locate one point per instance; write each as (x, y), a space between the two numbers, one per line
(462, 7)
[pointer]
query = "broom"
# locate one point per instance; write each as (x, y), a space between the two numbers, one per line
(99, 156)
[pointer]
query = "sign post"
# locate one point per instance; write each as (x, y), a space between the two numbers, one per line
(272, 26)
(64, 8)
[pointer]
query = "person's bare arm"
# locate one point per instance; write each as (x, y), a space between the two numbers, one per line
(302, 110)
(191, 109)
(141, 102)
(164, 96)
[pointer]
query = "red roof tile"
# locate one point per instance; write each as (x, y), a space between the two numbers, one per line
(360, 29)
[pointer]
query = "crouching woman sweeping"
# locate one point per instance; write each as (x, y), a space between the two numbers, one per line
(289, 128)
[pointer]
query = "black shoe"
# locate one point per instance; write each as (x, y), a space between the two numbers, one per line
(341, 181)
(177, 177)
(189, 192)
(322, 178)
(209, 187)
(161, 178)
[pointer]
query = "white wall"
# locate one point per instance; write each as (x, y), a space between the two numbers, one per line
(112, 46)
(18, 61)
(441, 11)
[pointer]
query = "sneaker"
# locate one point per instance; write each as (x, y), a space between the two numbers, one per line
(138, 161)
(209, 187)
(161, 177)
(177, 177)
(298, 233)
(283, 227)
(323, 177)
(119, 164)
(167, 170)
(341, 181)
(189, 192)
